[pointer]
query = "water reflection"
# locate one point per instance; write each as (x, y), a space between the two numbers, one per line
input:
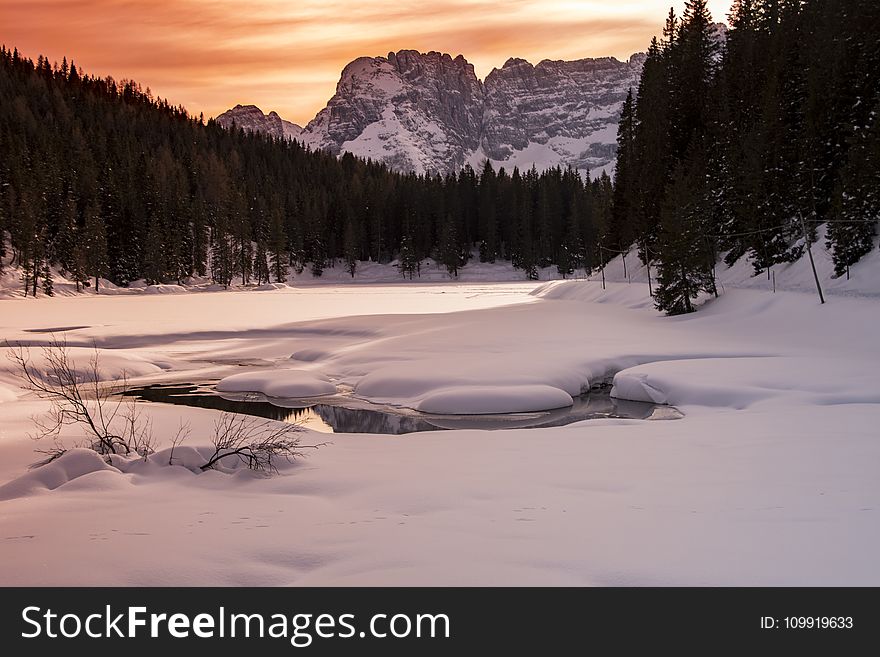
(349, 415)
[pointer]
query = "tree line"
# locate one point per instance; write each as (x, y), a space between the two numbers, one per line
(743, 147)
(105, 181)
(729, 148)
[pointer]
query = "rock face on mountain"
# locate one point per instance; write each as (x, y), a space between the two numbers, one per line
(414, 111)
(252, 119)
(556, 112)
(428, 112)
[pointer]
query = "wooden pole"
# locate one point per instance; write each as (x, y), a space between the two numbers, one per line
(812, 262)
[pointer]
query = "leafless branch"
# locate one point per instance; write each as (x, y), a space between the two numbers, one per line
(114, 425)
(49, 454)
(183, 432)
(259, 444)
(81, 398)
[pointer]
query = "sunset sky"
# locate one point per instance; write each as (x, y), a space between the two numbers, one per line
(286, 55)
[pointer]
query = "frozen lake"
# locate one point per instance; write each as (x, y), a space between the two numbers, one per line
(769, 478)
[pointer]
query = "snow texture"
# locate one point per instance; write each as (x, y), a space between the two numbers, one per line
(296, 384)
(477, 400)
(770, 478)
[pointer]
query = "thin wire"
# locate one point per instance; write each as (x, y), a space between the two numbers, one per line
(758, 231)
(605, 248)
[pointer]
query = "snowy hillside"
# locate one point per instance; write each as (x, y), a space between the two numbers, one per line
(797, 276)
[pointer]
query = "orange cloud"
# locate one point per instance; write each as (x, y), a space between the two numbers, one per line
(211, 54)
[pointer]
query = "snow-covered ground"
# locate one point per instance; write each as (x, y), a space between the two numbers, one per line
(796, 276)
(770, 478)
(368, 273)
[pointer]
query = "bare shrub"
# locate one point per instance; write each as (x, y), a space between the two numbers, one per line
(115, 426)
(259, 444)
(49, 454)
(111, 420)
(183, 432)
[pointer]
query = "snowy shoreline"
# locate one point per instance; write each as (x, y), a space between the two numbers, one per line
(788, 277)
(770, 478)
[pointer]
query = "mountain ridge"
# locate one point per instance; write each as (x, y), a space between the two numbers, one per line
(430, 113)
(252, 119)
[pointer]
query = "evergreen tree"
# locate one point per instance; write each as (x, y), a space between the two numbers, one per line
(624, 218)
(695, 63)
(278, 247)
(48, 282)
(38, 258)
(409, 261)
(685, 268)
(200, 240)
(856, 212)
(78, 267)
(652, 151)
(222, 254)
(449, 251)
(67, 236)
(297, 254)
(95, 244)
(242, 245)
(350, 249)
(569, 257)
(488, 220)
(319, 257)
(154, 255)
(261, 262)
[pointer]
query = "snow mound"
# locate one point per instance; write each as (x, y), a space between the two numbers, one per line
(634, 297)
(71, 465)
(739, 383)
(638, 386)
(479, 400)
(267, 287)
(310, 355)
(170, 462)
(279, 383)
(82, 469)
(714, 382)
(164, 289)
(113, 364)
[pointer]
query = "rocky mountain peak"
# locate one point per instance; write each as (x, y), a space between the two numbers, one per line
(428, 112)
(415, 111)
(251, 119)
(556, 112)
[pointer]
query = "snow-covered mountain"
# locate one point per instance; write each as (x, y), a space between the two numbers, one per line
(252, 119)
(556, 112)
(428, 112)
(414, 111)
